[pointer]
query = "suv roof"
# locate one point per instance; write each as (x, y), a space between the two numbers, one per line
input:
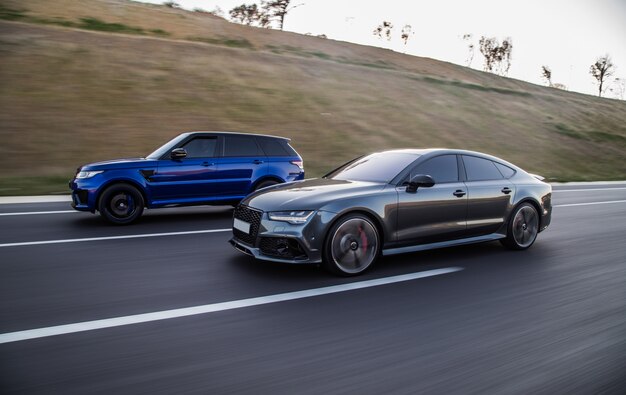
(201, 132)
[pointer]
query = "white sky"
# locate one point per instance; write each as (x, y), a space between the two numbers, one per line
(566, 35)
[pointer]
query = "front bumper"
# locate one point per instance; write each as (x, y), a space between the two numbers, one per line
(83, 195)
(279, 241)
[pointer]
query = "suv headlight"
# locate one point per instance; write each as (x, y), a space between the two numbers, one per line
(87, 174)
(292, 217)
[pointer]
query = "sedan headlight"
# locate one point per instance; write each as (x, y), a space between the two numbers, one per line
(86, 174)
(292, 217)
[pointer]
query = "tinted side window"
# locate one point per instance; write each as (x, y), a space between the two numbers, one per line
(241, 146)
(479, 169)
(441, 168)
(506, 171)
(273, 147)
(201, 147)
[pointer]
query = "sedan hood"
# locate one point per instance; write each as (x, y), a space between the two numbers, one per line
(310, 194)
(130, 163)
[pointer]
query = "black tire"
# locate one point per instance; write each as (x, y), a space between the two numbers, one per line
(121, 204)
(522, 228)
(264, 184)
(352, 245)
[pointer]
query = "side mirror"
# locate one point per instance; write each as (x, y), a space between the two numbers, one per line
(178, 153)
(419, 180)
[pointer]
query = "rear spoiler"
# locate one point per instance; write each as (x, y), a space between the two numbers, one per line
(537, 176)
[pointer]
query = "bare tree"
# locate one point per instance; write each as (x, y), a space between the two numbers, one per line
(171, 4)
(245, 14)
(407, 32)
(279, 9)
(497, 56)
(470, 49)
(546, 74)
(385, 29)
(601, 70)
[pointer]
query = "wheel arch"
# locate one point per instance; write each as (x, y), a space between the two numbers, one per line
(370, 215)
(266, 178)
(132, 183)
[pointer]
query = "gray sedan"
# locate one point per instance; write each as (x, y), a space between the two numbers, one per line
(393, 202)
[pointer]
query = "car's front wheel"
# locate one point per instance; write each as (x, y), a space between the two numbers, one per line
(352, 245)
(121, 204)
(523, 227)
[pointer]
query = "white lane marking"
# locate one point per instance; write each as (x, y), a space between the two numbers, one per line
(214, 307)
(589, 204)
(39, 212)
(587, 190)
(189, 232)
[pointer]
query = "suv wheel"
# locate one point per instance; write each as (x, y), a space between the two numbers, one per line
(265, 184)
(121, 204)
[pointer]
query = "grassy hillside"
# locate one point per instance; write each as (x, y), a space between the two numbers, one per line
(91, 80)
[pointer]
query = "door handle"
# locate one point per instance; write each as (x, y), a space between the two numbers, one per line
(459, 193)
(207, 164)
(506, 190)
(257, 161)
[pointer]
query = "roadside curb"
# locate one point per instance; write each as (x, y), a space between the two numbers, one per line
(68, 198)
(35, 199)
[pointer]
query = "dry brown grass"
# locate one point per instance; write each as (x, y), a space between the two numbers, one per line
(70, 96)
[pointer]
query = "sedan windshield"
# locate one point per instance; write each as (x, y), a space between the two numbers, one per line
(378, 167)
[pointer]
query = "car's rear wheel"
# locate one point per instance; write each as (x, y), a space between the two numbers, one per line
(523, 227)
(352, 245)
(121, 204)
(264, 184)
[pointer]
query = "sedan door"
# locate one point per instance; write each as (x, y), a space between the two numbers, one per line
(437, 213)
(490, 195)
(189, 179)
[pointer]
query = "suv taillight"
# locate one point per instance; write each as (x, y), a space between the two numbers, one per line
(298, 163)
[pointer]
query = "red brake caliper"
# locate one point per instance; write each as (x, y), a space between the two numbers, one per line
(363, 239)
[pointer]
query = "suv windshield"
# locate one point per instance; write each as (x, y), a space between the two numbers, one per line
(170, 145)
(378, 167)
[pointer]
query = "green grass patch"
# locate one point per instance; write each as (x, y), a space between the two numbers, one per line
(10, 14)
(595, 136)
(24, 186)
(159, 32)
(97, 24)
(228, 42)
(476, 87)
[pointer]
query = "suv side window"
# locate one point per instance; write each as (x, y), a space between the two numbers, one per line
(241, 146)
(201, 147)
(272, 147)
(442, 169)
(479, 169)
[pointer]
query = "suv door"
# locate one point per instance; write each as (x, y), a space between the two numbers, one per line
(490, 195)
(242, 163)
(436, 213)
(188, 179)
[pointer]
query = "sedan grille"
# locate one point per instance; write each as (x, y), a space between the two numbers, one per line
(251, 216)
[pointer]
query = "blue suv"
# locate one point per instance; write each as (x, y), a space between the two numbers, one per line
(195, 168)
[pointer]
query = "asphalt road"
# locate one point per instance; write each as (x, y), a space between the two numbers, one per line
(550, 320)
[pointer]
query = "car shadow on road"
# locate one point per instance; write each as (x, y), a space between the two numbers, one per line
(482, 257)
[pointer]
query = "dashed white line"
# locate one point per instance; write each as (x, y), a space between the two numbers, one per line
(189, 232)
(214, 307)
(590, 203)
